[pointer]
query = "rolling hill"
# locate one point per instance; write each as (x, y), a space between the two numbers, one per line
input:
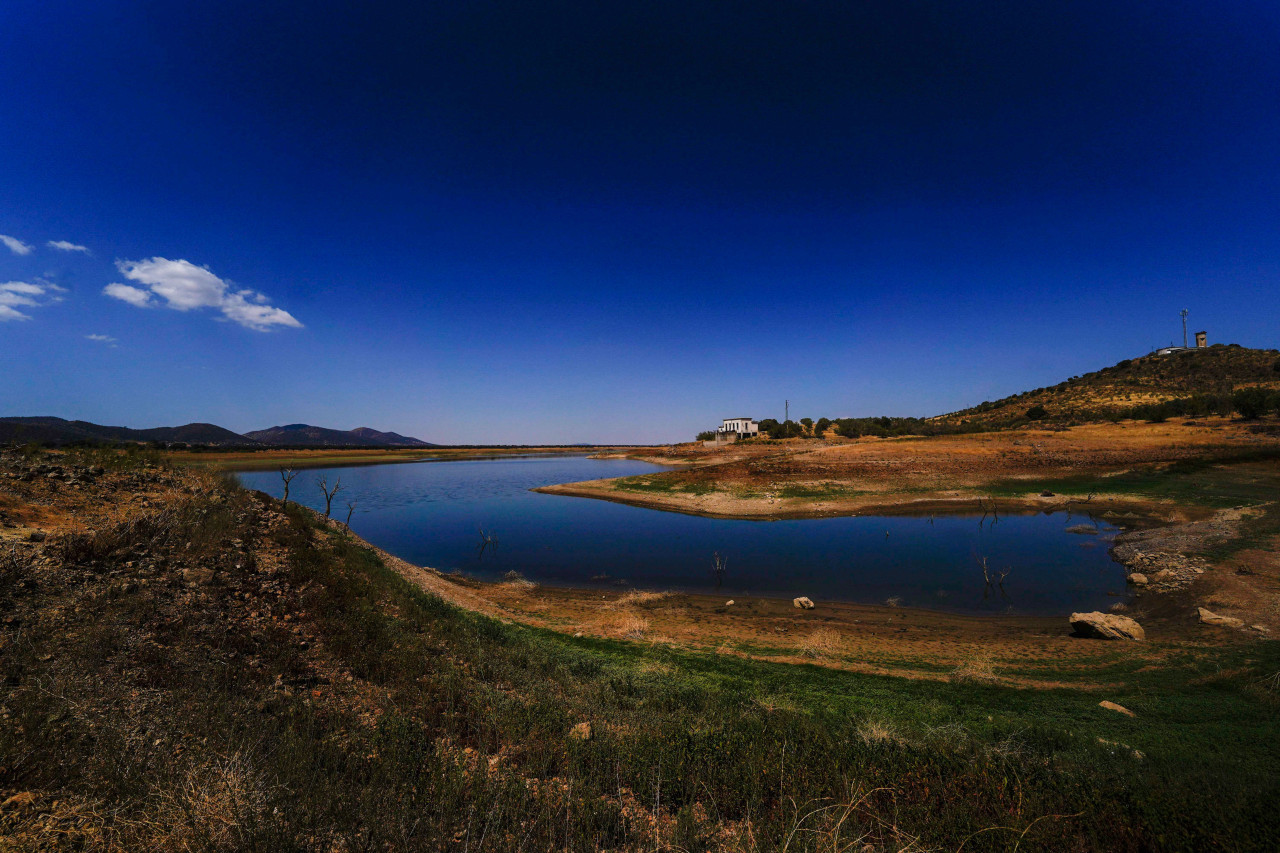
(306, 435)
(1213, 371)
(51, 430)
(394, 439)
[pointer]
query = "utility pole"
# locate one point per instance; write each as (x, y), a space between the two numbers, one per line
(786, 412)
(1184, 327)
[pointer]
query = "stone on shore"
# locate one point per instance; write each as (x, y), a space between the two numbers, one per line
(1208, 617)
(1138, 579)
(803, 603)
(1107, 626)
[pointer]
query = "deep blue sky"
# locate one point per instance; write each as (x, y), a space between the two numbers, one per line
(540, 222)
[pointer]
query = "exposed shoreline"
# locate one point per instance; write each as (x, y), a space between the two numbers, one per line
(881, 639)
(1130, 510)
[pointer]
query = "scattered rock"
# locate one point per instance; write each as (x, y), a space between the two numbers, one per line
(1208, 617)
(1107, 626)
(1047, 494)
(1138, 579)
(1164, 570)
(1112, 706)
(582, 731)
(36, 536)
(1261, 629)
(803, 603)
(729, 603)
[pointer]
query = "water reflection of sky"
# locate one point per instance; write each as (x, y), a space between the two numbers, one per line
(432, 514)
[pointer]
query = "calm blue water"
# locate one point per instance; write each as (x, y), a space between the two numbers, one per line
(431, 514)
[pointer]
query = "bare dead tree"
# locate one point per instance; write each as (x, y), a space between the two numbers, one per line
(993, 578)
(351, 507)
(719, 565)
(487, 541)
(323, 483)
(287, 474)
(993, 510)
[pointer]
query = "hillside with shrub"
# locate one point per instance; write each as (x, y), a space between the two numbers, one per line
(1221, 379)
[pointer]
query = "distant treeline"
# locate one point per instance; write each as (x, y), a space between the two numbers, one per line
(884, 427)
(1247, 402)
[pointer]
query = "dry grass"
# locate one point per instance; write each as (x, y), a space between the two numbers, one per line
(515, 582)
(209, 809)
(877, 733)
(841, 827)
(626, 624)
(978, 669)
(824, 642)
(641, 598)
(211, 806)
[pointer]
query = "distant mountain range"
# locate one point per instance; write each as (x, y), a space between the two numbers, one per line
(305, 435)
(49, 430)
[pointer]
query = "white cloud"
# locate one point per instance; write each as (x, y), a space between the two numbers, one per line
(67, 246)
(102, 339)
(15, 245)
(25, 294)
(135, 296)
(185, 286)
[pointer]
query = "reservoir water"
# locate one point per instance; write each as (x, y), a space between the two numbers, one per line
(431, 514)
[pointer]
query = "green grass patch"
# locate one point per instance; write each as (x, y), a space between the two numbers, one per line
(817, 491)
(1209, 483)
(664, 484)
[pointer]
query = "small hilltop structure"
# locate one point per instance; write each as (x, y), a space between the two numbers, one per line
(732, 429)
(1202, 340)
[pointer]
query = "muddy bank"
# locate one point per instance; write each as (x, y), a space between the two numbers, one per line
(1127, 510)
(871, 638)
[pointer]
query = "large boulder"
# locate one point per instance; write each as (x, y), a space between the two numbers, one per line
(1208, 617)
(803, 602)
(1107, 626)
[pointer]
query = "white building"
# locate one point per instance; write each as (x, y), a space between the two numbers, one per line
(741, 427)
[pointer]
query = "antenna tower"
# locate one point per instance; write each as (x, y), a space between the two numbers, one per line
(1184, 327)
(786, 412)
